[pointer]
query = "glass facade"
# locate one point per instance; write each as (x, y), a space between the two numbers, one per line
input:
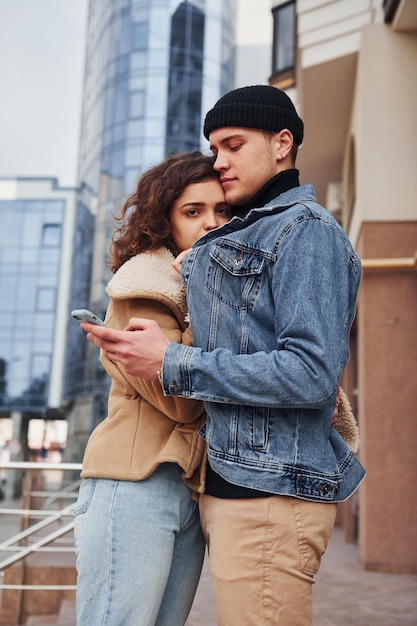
(30, 257)
(77, 348)
(153, 68)
(143, 58)
(186, 56)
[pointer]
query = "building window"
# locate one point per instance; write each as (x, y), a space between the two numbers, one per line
(284, 45)
(51, 235)
(140, 36)
(137, 104)
(46, 299)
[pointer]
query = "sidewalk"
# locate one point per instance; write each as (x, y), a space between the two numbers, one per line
(344, 593)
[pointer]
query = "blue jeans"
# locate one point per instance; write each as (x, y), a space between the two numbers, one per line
(139, 550)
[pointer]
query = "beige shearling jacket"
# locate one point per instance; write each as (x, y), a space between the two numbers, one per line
(145, 428)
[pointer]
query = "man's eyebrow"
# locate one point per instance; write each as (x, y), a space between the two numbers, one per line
(228, 138)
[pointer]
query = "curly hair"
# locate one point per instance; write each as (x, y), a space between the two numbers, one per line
(144, 217)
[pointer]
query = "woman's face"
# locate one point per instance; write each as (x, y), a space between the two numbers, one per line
(200, 208)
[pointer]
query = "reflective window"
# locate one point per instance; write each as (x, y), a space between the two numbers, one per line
(137, 104)
(284, 44)
(135, 129)
(40, 365)
(118, 132)
(122, 64)
(26, 293)
(137, 60)
(132, 155)
(8, 289)
(49, 259)
(51, 235)
(131, 178)
(120, 109)
(140, 36)
(11, 226)
(46, 299)
(31, 232)
(117, 162)
(185, 79)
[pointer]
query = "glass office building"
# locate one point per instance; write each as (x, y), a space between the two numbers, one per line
(29, 274)
(153, 68)
(36, 233)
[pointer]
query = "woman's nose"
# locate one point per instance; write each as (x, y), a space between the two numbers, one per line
(212, 221)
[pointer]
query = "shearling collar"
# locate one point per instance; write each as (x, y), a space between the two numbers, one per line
(150, 275)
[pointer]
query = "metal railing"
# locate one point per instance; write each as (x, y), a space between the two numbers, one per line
(41, 536)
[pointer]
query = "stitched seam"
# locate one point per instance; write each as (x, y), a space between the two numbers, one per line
(266, 565)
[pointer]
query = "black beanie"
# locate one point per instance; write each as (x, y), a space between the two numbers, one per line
(259, 106)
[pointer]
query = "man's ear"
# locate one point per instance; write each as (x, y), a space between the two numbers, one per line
(284, 144)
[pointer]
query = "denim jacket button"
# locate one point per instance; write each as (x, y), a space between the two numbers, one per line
(173, 388)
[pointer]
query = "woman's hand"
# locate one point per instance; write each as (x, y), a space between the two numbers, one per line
(179, 259)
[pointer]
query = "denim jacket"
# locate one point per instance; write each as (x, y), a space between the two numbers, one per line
(272, 300)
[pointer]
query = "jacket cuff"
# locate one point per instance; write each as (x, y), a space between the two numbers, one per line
(176, 371)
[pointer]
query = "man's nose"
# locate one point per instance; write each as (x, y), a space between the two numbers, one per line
(220, 162)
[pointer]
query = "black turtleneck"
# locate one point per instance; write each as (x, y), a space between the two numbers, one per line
(215, 484)
(274, 187)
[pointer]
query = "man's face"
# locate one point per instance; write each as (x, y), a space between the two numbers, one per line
(246, 159)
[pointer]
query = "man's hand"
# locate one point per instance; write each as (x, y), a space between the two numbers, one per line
(140, 348)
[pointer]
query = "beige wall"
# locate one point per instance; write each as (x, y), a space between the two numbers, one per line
(384, 128)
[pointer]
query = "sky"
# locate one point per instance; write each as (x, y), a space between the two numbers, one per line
(41, 76)
(41, 79)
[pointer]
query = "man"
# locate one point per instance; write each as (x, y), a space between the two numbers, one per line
(271, 299)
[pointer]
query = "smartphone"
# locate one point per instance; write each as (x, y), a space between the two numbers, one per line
(84, 315)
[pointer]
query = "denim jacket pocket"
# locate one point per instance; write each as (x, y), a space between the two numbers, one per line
(246, 266)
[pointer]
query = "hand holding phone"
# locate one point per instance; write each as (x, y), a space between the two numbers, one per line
(84, 315)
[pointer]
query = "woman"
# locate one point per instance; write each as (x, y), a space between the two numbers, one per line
(139, 544)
